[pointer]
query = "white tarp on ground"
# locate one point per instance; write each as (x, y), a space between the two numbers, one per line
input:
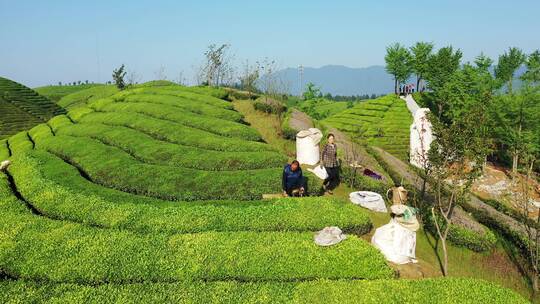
(367, 199)
(329, 236)
(421, 138)
(397, 244)
(307, 146)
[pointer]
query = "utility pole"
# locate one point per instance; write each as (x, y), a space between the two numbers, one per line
(301, 72)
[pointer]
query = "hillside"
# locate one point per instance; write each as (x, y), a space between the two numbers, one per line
(156, 191)
(22, 108)
(383, 122)
(56, 92)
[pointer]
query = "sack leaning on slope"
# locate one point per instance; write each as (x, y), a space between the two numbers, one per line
(307, 146)
(329, 236)
(370, 200)
(319, 171)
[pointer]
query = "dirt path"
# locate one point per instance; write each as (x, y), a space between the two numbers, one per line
(300, 121)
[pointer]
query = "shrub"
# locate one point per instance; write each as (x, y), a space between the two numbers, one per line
(464, 237)
(269, 106)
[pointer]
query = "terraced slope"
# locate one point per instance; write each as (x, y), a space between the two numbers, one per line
(383, 122)
(321, 108)
(22, 108)
(155, 197)
(57, 92)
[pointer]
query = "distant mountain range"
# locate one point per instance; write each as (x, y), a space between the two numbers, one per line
(340, 80)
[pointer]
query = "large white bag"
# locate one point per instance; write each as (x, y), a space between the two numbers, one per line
(320, 172)
(367, 199)
(397, 244)
(307, 146)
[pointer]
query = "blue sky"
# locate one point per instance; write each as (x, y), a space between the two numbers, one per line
(43, 42)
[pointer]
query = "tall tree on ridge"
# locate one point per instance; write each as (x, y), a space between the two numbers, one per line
(398, 64)
(507, 66)
(421, 52)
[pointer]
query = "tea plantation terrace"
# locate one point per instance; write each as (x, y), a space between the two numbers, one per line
(154, 194)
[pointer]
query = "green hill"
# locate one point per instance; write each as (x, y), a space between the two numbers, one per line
(22, 108)
(321, 108)
(383, 122)
(153, 194)
(56, 92)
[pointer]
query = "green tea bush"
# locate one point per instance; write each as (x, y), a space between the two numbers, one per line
(185, 92)
(34, 247)
(190, 119)
(70, 197)
(121, 171)
(81, 98)
(4, 150)
(447, 290)
(174, 132)
(174, 102)
(464, 237)
(150, 150)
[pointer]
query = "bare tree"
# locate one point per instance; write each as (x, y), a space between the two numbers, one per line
(181, 80)
(218, 68)
(270, 81)
(526, 208)
(160, 73)
(133, 77)
(249, 77)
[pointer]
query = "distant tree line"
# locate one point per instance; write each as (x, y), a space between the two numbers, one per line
(351, 97)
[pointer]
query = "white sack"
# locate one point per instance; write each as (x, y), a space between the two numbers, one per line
(367, 199)
(307, 146)
(397, 244)
(319, 171)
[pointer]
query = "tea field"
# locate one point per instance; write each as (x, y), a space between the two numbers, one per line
(154, 194)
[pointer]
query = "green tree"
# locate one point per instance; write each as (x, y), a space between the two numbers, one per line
(421, 52)
(533, 68)
(483, 62)
(441, 66)
(507, 66)
(460, 146)
(118, 77)
(311, 91)
(398, 64)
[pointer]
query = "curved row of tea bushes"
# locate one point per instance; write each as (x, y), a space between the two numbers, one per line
(57, 190)
(195, 120)
(112, 167)
(174, 102)
(447, 290)
(4, 149)
(189, 93)
(20, 142)
(34, 247)
(174, 96)
(81, 98)
(150, 150)
(172, 132)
